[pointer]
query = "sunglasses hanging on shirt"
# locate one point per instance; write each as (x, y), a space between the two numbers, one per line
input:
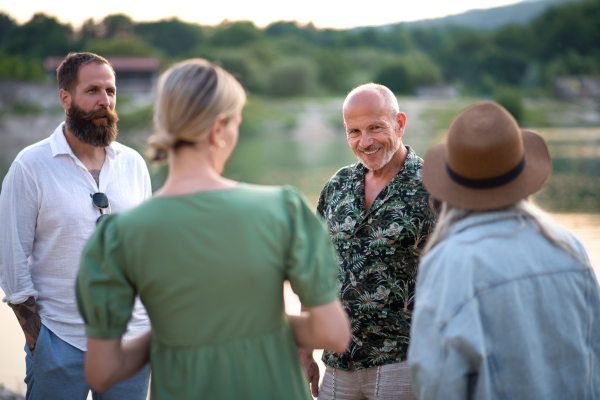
(100, 201)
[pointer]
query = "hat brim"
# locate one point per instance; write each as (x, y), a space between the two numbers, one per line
(535, 173)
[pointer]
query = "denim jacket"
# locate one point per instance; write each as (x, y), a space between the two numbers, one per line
(501, 313)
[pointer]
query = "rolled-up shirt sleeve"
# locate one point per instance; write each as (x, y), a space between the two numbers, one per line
(18, 218)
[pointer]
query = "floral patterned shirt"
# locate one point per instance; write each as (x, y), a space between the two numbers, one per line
(378, 254)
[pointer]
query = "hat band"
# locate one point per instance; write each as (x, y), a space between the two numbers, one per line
(487, 183)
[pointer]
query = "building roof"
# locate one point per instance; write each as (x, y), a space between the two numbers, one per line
(119, 64)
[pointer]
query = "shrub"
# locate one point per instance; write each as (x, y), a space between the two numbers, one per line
(21, 68)
(334, 71)
(396, 77)
(127, 46)
(510, 98)
(292, 78)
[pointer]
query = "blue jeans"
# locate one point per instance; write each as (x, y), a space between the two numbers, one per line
(55, 372)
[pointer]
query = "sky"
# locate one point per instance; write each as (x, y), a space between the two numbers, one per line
(323, 13)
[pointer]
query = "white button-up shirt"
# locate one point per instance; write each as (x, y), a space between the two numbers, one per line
(46, 218)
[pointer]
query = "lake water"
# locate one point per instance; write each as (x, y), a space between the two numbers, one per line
(303, 144)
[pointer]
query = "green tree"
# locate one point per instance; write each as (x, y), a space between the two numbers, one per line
(505, 66)
(116, 25)
(20, 68)
(236, 34)
(571, 63)
(461, 59)
(89, 31)
(396, 77)
(514, 39)
(292, 77)
(39, 37)
(293, 46)
(244, 67)
(511, 98)
(421, 68)
(283, 28)
(173, 36)
(574, 27)
(370, 37)
(431, 41)
(6, 25)
(264, 52)
(128, 46)
(398, 40)
(334, 70)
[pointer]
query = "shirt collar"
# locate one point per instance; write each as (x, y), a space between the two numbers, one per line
(59, 144)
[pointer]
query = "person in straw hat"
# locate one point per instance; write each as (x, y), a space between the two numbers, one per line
(507, 304)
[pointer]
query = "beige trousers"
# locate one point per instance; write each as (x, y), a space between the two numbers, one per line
(390, 381)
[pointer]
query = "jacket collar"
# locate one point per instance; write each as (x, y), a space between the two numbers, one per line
(481, 218)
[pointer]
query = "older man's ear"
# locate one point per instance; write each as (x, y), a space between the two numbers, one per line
(401, 119)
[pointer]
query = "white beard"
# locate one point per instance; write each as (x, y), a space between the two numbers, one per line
(386, 158)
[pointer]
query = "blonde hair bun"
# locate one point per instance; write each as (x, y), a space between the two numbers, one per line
(189, 96)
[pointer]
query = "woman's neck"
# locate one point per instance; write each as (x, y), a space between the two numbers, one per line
(192, 171)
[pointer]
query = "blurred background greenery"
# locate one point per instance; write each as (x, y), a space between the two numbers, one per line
(296, 76)
(286, 59)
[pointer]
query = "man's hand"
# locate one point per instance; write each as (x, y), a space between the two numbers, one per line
(312, 370)
(29, 319)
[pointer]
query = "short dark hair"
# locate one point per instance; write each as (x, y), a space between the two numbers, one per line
(68, 71)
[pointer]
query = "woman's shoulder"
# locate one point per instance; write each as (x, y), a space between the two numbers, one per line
(141, 211)
(268, 190)
(133, 220)
(244, 198)
(270, 194)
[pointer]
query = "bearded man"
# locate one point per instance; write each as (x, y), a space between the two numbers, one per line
(52, 198)
(379, 219)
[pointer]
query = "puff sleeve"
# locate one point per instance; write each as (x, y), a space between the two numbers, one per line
(311, 265)
(105, 296)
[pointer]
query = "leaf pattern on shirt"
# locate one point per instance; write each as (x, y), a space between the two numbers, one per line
(378, 254)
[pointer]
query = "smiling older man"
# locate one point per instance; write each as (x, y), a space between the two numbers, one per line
(379, 219)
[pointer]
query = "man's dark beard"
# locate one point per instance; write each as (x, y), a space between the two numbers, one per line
(82, 126)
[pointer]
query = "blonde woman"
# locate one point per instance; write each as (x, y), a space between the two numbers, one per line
(208, 257)
(507, 305)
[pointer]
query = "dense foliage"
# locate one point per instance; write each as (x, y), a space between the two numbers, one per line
(286, 59)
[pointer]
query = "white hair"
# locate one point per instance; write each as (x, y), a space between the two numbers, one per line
(449, 216)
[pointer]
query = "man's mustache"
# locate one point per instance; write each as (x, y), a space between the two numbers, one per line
(111, 115)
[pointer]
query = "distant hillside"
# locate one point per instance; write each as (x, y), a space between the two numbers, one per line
(489, 19)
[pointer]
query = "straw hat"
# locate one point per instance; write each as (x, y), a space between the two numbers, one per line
(487, 161)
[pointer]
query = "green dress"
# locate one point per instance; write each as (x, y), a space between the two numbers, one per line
(210, 267)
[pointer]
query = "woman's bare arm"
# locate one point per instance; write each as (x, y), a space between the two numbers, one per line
(110, 361)
(322, 327)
